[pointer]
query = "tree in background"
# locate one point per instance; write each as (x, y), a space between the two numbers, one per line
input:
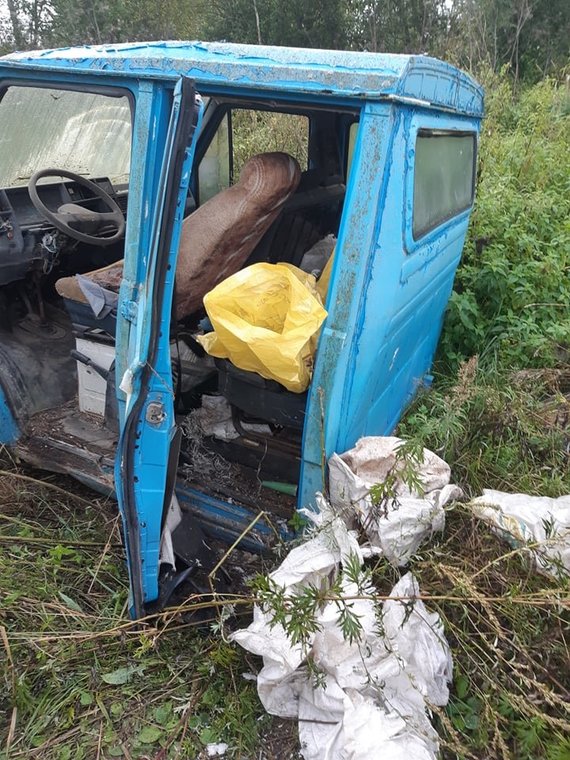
(400, 26)
(28, 22)
(51, 23)
(319, 23)
(530, 36)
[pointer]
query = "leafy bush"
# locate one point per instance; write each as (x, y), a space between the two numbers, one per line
(512, 292)
(497, 429)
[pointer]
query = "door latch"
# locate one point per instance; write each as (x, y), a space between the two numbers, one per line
(155, 413)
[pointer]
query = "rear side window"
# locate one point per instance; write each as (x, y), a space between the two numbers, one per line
(444, 178)
(265, 132)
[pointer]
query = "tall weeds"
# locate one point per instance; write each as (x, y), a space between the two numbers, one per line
(512, 294)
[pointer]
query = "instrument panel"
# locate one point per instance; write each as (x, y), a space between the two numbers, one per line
(53, 194)
(24, 231)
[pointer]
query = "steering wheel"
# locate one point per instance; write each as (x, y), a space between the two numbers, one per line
(71, 218)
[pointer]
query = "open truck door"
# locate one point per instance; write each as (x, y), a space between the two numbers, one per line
(148, 440)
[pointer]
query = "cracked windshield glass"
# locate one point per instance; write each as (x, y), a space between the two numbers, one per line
(83, 132)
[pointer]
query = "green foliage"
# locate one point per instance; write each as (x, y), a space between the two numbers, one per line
(318, 24)
(403, 26)
(263, 131)
(525, 35)
(496, 430)
(530, 36)
(513, 287)
(76, 22)
(497, 616)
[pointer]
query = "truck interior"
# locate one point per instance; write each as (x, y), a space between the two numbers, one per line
(268, 186)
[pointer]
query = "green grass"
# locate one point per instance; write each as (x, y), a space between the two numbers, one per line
(511, 295)
(77, 679)
(497, 428)
(507, 625)
(508, 630)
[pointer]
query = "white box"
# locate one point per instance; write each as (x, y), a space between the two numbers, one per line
(93, 387)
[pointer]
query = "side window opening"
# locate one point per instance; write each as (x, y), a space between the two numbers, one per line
(444, 178)
(321, 141)
(241, 134)
(266, 132)
(214, 171)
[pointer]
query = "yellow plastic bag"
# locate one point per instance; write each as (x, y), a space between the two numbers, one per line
(324, 280)
(266, 319)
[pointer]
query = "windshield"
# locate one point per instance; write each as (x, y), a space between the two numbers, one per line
(83, 132)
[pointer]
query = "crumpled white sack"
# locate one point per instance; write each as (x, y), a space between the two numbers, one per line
(214, 418)
(216, 750)
(419, 639)
(398, 534)
(412, 662)
(378, 689)
(522, 519)
(366, 732)
(311, 563)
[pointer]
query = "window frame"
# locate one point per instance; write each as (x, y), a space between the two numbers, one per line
(350, 147)
(220, 104)
(419, 129)
(217, 110)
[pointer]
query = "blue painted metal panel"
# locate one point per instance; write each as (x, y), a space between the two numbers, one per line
(388, 292)
(258, 68)
(9, 430)
(227, 521)
(154, 433)
(386, 304)
(149, 135)
(354, 250)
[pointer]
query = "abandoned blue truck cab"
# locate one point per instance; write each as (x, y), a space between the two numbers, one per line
(137, 180)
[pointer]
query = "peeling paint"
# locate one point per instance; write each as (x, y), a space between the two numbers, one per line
(333, 73)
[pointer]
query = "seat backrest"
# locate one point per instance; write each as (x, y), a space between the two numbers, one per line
(218, 237)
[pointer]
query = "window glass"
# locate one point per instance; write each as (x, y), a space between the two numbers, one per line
(443, 178)
(83, 132)
(214, 169)
(266, 131)
(352, 135)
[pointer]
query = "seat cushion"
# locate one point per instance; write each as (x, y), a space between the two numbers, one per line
(108, 277)
(260, 398)
(218, 238)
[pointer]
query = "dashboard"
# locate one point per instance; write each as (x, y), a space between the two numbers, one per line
(27, 238)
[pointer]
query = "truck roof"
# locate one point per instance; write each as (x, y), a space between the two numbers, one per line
(330, 73)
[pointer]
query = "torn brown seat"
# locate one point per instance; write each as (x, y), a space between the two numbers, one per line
(218, 237)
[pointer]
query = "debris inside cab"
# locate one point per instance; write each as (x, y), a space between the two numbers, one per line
(266, 319)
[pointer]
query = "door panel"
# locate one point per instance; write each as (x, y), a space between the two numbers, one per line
(142, 460)
(387, 298)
